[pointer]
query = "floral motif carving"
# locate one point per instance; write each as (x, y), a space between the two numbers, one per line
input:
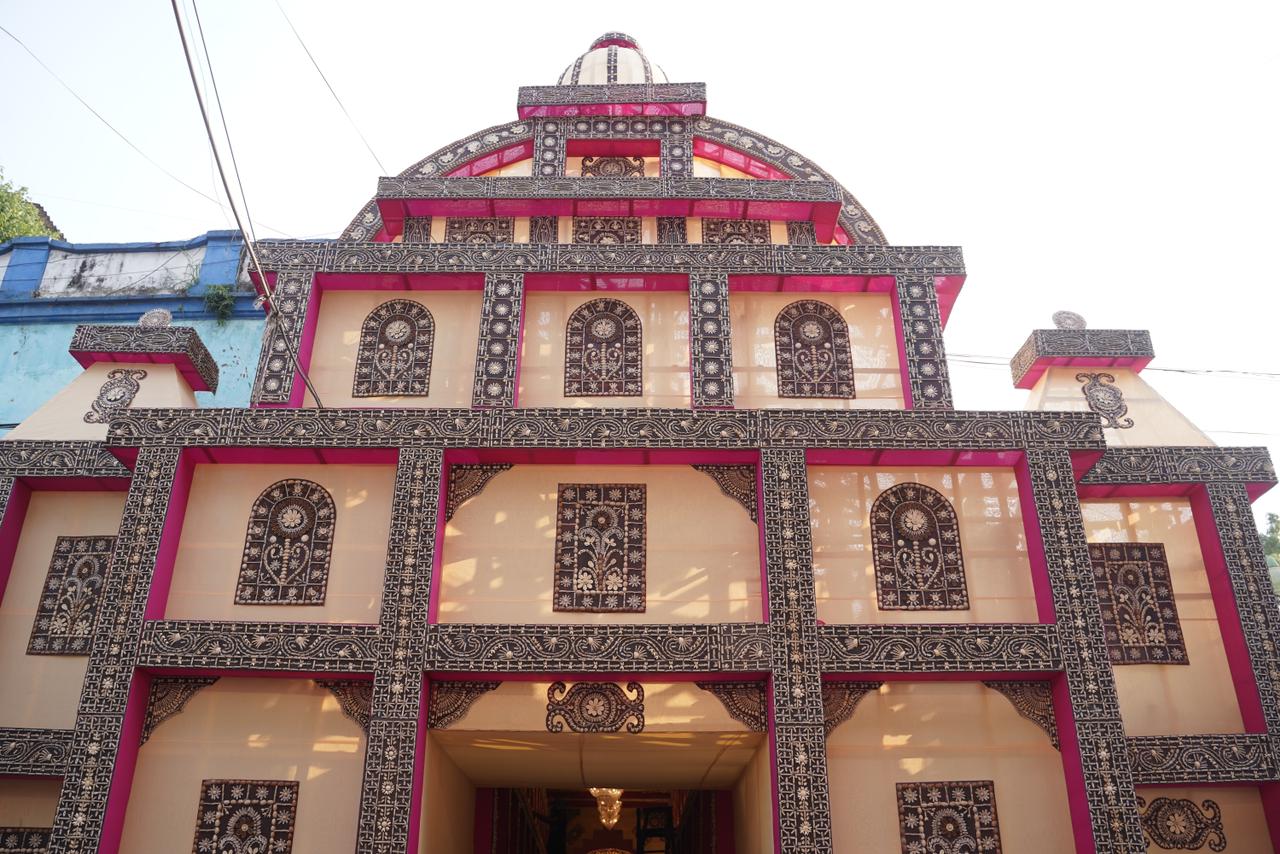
(451, 700)
(801, 233)
(606, 229)
(840, 699)
(115, 395)
(948, 818)
(287, 546)
(737, 482)
(394, 356)
(1033, 699)
(1139, 614)
(479, 230)
(753, 232)
(1106, 399)
(595, 707)
(25, 840)
(603, 350)
(72, 596)
(915, 540)
(246, 816)
(811, 343)
(169, 696)
(612, 167)
(467, 480)
(746, 702)
(600, 547)
(1177, 824)
(355, 698)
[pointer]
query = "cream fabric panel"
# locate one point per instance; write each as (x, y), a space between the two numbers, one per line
(1244, 822)
(668, 707)
(872, 337)
(50, 693)
(753, 805)
(448, 805)
(664, 321)
(704, 168)
(63, 416)
(702, 549)
(453, 355)
(1168, 699)
(208, 562)
(29, 802)
(1155, 420)
(993, 543)
(939, 731)
(249, 729)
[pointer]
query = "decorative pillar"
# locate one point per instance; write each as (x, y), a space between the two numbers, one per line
(282, 340)
(498, 350)
(710, 344)
(676, 156)
(796, 712)
(926, 383)
(388, 821)
(1105, 813)
(109, 723)
(549, 148)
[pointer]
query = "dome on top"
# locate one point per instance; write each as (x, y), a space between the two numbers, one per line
(612, 58)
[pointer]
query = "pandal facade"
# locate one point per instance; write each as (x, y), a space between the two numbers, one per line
(637, 469)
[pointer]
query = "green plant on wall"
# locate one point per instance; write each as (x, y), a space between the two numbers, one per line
(219, 301)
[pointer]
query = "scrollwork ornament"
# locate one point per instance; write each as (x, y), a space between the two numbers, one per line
(1177, 824)
(116, 394)
(1106, 399)
(595, 707)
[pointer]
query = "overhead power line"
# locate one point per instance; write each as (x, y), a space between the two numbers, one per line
(999, 362)
(341, 106)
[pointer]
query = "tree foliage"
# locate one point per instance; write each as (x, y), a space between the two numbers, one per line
(19, 216)
(1271, 536)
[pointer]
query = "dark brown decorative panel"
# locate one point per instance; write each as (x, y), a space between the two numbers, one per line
(613, 167)
(288, 546)
(603, 350)
(417, 229)
(600, 547)
(72, 596)
(237, 816)
(737, 482)
(673, 229)
(948, 818)
(497, 348)
(710, 341)
(915, 541)
(169, 696)
(1139, 615)
(811, 343)
(115, 395)
(840, 700)
(1177, 824)
(394, 356)
(544, 229)
(801, 233)
(479, 230)
(1033, 699)
(595, 707)
(25, 840)
(735, 231)
(467, 480)
(1106, 399)
(746, 702)
(607, 229)
(450, 700)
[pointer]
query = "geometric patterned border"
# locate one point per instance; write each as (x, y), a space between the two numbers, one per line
(34, 752)
(917, 307)
(497, 349)
(710, 343)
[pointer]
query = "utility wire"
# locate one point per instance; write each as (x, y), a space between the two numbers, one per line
(113, 129)
(354, 127)
(998, 362)
(253, 252)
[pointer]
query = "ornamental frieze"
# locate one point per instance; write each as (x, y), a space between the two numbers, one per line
(303, 647)
(1192, 759)
(891, 648)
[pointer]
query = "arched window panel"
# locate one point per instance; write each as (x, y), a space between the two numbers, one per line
(603, 351)
(915, 538)
(287, 546)
(394, 356)
(815, 359)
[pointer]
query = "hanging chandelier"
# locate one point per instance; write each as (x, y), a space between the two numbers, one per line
(609, 805)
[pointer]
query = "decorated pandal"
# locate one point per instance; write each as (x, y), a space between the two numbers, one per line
(637, 517)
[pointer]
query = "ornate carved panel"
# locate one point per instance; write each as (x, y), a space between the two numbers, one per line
(497, 350)
(917, 304)
(737, 482)
(69, 604)
(1172, 464)
(355, 698)
(282, 338)
(246, 816)
(394, 356)
(595, 707)
(288, 545)
(710, 341)
(25, 840)
(612, 167)
(549, 148)
(600, 547)
(607, 229)
(467, 480)
(477, 229)
(115, 395)
(746, 702)
(1034, 701)
(417, 229)
(1106, 399)
(1049, 344)
(673, 229)
(941, 648)
(293, 647)
(1177, 824)
(811, 343)
(451, 700)
(735, 231)
(544, 229)
(915, 539)
(169, 696)
(954, 817)
(31, 752)
(1191, 759)
(801, 233)
(1139, 613)
(840, 700)
(149, 339)
(603, 350)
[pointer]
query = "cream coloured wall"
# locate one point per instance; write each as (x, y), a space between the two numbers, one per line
(939, 731)
(29, 801)
(62, 417)
(50, 693)
(664, 321)
(704, 168)
(1244, 821)
(453, 356)
(249, 729)
(992, 540)
(872, 336)
(702, 555)
(1155, 420)
(208, 561)
(448, 805)
(753, 805)
(668, 707)
(1167, 699)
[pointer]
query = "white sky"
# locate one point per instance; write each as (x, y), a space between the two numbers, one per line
(1116, 159)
